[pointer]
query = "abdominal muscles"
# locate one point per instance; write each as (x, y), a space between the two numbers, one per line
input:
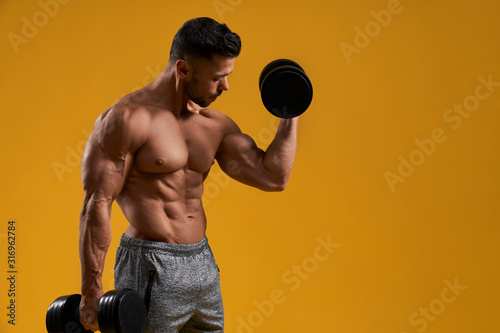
(164, 206)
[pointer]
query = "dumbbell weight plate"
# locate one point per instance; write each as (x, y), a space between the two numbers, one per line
(122, 311)
(63, 315)
(285, 89)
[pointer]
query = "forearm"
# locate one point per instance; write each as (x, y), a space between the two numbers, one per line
(279, 156)
(95, 237)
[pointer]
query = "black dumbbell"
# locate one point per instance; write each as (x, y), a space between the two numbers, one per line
(120, 311)
(285, 89)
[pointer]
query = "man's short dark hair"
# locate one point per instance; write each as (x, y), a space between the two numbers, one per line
(204, 37)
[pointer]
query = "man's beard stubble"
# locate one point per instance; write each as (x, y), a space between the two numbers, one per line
(191, 91)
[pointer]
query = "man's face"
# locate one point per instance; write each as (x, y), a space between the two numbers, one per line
(209, 79)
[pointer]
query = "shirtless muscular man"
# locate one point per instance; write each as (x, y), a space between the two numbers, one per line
(151, 152)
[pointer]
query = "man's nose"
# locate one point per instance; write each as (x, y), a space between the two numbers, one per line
(224, 83)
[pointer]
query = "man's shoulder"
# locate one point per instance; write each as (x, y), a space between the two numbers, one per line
(124, 113)
(228, 124)
(123, 122)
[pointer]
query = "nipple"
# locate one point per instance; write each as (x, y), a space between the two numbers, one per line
(159, 161)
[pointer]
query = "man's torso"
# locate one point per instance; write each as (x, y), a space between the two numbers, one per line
(161, 196)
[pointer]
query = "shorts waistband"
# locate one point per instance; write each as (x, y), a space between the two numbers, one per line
(170, 248)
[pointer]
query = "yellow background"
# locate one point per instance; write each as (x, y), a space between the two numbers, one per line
(395, 247)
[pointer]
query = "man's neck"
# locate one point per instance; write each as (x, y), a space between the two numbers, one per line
(167, 91)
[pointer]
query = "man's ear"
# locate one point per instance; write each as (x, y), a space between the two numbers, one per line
(184, 70)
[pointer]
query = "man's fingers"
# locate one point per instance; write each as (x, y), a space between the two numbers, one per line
(88, 316)
(90, 326)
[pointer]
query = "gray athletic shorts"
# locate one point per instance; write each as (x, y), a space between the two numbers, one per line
(185, 293)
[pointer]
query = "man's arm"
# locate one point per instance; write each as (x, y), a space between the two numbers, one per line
(241, 159)
(106, 162)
